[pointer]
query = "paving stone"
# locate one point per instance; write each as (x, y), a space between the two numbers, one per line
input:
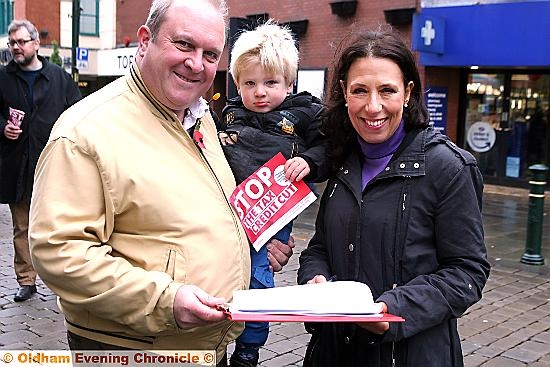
(489, 351)
(521, 354)
(542, 337)
(292, 329)
(483, 339)
(498, 332)
(503, 362)
(13, 327)
(16, 346)
(17, 336)
(474, 360)
(266, 354)
(51, 344)
(282, 346)
(283, 360)
(534, 346)
(469, 347)
(507, 343)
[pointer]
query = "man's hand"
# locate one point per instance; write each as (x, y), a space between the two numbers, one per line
(11, 131)
(278, 253)
(296, 168)
(194, 307)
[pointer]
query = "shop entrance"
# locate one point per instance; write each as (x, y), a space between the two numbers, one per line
(507, 124)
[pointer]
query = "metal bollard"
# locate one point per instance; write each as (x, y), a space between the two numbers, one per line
(532, 255)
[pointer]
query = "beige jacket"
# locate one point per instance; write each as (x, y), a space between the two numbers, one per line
(125, 210)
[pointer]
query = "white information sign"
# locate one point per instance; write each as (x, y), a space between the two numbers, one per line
(481, 137)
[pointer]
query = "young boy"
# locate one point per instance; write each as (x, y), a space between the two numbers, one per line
(263, 120)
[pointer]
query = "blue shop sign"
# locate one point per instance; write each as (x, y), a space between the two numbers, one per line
(429, 33)
(491, 35)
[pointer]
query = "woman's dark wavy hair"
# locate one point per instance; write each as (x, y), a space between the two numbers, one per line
(385, 44)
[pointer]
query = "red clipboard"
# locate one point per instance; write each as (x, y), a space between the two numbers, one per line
(251, 316)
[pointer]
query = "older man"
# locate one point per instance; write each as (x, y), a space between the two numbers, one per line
(131, 225)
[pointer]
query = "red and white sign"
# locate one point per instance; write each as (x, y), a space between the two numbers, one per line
(16, 117)
(266, 201)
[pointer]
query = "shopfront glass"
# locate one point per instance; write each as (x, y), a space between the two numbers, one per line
(507, 123)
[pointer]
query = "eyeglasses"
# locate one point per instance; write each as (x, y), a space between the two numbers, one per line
(20, 43)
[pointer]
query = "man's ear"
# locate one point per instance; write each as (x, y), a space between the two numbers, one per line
(144, 38)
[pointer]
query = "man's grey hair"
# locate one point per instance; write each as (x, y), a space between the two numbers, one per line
(160, 7)
(23, 23)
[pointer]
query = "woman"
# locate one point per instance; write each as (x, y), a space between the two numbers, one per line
(401, 213)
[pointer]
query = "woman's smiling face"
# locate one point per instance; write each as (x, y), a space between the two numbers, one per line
(375, 94)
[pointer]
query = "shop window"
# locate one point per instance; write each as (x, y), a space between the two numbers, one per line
(484, 111)
(89, 17)
(529, 115)
(507, 123)
(6, 15)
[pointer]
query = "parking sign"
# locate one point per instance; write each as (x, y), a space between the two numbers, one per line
(82, 58)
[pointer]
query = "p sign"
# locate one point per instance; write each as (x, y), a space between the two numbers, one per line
(82, 58)
(81, 54)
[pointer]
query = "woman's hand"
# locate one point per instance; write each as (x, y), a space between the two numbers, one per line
(317, 279)
(378, 328)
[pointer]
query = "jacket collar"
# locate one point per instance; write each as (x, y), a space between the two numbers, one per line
(12, 67)
(408, 161)
(136, 84)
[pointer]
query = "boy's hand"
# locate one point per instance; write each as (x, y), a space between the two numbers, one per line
(227, 138)
(296, 169)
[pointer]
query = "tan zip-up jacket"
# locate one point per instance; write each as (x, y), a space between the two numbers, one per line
(126, 209)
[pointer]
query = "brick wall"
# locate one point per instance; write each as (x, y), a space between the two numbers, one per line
(131, 14)
(35, 12)
(325, 30)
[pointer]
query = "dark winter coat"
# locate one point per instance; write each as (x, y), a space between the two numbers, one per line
(54, 92)
(292, 129)
(415, 236)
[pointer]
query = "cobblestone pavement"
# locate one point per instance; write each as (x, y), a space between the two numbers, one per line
(509, 327)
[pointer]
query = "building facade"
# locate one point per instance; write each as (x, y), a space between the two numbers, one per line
(485, 64)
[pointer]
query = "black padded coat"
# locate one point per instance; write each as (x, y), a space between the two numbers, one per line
(415, 236)
(292, 129)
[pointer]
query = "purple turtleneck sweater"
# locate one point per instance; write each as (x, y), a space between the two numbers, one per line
(377, 156)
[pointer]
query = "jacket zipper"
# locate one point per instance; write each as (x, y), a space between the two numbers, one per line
(333, 189)
(397, 255)
(235, 220)
(223, 335)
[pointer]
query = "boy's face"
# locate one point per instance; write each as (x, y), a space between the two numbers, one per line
(262, 91)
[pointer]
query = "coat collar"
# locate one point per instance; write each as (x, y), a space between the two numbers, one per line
(46, 70)
(136, 84)
(408, 161)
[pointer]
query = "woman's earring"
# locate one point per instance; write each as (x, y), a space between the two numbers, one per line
(406, 104)
(346, 104)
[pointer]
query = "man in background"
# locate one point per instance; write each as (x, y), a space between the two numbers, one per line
(34, 93)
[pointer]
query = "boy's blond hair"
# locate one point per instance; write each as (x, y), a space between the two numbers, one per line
(270, 45)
